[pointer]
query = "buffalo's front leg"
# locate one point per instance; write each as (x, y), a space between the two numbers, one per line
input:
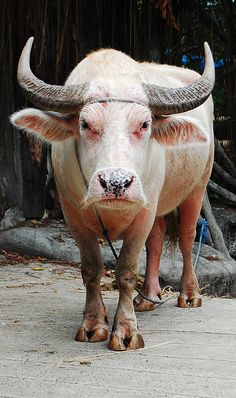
(94, 326)
(125, 334)
(189, 212)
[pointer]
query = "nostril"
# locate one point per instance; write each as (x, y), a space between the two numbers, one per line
(127, 182)
(102, 182)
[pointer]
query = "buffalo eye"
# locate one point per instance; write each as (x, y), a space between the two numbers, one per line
(145, 125)
(84, 125)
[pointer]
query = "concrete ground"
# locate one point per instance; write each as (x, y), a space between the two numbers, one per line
(188, 352)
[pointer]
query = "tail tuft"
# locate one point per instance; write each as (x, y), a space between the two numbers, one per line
(172, 222)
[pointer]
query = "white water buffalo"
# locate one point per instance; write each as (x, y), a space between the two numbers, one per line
(131, 142)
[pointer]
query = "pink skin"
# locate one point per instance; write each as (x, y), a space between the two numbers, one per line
(117, 139)
(125, 334)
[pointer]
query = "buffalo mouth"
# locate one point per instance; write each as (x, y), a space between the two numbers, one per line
(116, 203)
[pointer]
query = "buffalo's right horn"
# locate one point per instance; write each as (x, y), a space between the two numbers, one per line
(64, 99)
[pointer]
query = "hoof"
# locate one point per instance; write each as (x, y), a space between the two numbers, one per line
(187, 302)
(118, 343)
(140, 304)
(92, 336)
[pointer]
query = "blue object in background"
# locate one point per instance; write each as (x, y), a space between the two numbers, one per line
(186, 59)
(202, 236)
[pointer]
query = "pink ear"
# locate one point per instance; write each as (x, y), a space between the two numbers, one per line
(49, 126)
(173, 131)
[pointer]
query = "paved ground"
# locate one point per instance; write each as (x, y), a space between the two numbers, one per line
(188, 353)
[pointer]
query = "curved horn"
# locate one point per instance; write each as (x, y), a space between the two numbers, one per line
(65, 99)
(167, 101)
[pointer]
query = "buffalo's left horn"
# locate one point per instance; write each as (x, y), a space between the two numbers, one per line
(167, 101)
(65, 99)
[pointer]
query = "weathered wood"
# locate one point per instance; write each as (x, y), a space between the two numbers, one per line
(10, 158)
(222, 159)
(224, 175)
(34, 177)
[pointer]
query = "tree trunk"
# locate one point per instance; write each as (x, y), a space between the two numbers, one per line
(223, 159)
(216, 233)
(222, 192)
(224, 175)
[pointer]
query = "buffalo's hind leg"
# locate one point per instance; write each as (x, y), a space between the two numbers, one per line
(94, 326)
(189, 212)
(151, 288)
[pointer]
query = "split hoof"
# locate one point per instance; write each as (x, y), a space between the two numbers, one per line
(92, 336)
(187, 302)
(140, 304)
(118, 343)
